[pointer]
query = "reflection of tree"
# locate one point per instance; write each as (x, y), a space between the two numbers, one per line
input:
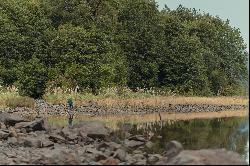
(200, 134)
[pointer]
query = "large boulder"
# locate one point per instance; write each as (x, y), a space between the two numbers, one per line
(57, 157)
(10, 119)
(21, 125)
(30, 142)
(36, 125)
(69, 134)
(93, 129)
(204, 157)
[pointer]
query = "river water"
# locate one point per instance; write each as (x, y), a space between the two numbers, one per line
(229, 133)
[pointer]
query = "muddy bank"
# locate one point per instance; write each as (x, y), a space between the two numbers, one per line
(92, 143)
(46, 109)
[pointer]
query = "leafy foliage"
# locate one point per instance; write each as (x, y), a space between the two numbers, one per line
(32, 78)
(95, 44)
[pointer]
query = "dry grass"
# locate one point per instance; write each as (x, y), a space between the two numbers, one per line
(165, 101)
(5, 96)
(133, 100)
(112, 121)
(158, 101)
(14, 102)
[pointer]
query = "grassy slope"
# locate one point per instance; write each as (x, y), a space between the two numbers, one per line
(132, 99)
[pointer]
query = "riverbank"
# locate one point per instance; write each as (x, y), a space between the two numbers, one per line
(88, 143)
(12, 99)
(94, 109)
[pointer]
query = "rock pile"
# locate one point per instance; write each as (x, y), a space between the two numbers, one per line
(45, 109)
(92, 143)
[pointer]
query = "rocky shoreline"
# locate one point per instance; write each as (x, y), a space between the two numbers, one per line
(45, 109)
(92, 143)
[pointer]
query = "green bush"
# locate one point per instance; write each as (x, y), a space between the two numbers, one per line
(32, 79)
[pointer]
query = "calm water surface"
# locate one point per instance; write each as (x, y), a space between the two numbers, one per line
(229, 133)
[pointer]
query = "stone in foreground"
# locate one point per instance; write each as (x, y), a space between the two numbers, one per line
(93, 129)
(204, 157)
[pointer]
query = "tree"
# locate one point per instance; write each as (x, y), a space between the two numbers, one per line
(139, 35)
(182, 67)
(100, 43)
(32, 78)
(225, 54)
(22, 35)
(88, 59)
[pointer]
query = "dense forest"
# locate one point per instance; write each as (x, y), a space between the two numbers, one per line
(118, 43)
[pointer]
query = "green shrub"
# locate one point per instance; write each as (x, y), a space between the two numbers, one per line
(32, 79)
(20, 101)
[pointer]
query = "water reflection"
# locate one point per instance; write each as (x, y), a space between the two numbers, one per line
(229, 133)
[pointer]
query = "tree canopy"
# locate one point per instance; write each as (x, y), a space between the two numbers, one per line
(100, 43)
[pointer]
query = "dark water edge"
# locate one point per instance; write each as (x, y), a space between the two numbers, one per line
(231, 133)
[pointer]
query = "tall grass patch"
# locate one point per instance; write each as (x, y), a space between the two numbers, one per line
(20, 101)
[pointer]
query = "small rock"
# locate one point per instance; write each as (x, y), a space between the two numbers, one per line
(21, 125)
(33, 134)
(130, 160)
(120, 154)
(92, 150)
(153, 158)
(31, 142)
(36, 125)
(173, 148)
(47, 143)
(4, 134)
(137, 152)
(13, 132)
(141, 162)
(57, 139)
(133, 144)
(149, 144)
(11, 155)
(109, 145)
(137, 138)
(110, 161)
(94, 163)
(57, 157)
(108, 152)
(2, 125)
(138, 157)
(12, 141)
